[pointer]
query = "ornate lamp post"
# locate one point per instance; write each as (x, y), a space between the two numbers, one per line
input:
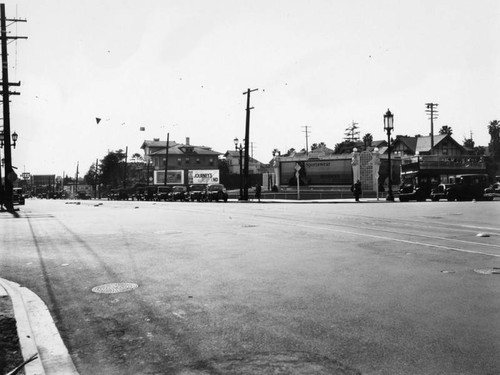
(240, 148)
(14, 139)
(389, 127)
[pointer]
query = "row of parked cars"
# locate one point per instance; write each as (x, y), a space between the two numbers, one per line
(196, 192)
(464, 187)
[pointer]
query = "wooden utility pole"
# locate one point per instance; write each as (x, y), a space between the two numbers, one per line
(125, 171)
(307, 138)
(432, 115)
(10, 175)
(247, 144)
(166, 160)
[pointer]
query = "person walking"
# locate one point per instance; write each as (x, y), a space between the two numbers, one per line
(356, 189)
(258, 191)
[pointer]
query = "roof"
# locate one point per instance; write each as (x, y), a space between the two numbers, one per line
(236, 155)
(424, 143)
(180, 149)
(155, 144)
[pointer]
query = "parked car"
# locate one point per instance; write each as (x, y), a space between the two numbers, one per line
(439, 192)
(162, 193)
(83, 195)
(178, 193)
(18, 196)
(195, 192)
(215, 192)
(150, 193)
(409, 192)
(467, 187)
(138, 194)
(492, 191)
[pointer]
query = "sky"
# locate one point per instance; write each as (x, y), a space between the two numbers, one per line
(181, 67)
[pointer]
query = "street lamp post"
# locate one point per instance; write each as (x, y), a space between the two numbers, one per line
(388, 127)
(1, 184)
(240, 148)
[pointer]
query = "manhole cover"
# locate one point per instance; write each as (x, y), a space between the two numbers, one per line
(114, 288)
(488, 271)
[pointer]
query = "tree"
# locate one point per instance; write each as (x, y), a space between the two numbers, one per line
(112, 169)
(90, 176)
(469, 143)
(367, 140)
(137, 158)
(315, 146)
(446, 130)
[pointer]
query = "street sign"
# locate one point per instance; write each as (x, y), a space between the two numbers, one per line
(25, 175)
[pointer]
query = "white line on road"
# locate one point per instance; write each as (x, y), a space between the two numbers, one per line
(399, 240)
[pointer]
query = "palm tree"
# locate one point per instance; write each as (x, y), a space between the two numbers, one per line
(446, 130)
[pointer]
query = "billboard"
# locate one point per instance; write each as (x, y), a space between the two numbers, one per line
(317, 172)
(203, 176)
(175, 177)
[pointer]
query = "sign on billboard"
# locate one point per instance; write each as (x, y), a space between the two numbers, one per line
(175, 177)
(203, 176)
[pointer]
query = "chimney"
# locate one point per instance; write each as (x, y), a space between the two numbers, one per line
(187, 141)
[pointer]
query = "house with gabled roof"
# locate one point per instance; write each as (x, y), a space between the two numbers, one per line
(437, 145)
(184, 161)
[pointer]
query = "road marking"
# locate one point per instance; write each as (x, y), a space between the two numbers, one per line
(400, 240)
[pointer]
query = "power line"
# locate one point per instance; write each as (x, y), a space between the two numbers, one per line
(433, 114)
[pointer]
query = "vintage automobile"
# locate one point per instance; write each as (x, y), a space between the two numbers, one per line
(195, 192)
(215, 192)
(467, 187)
(409, 192)
(178, 193)
(83, 195)
(492, 191)
(162, 193)
(18, 196)
(439, 192)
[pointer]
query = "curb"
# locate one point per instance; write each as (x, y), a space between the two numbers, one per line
(38, 333)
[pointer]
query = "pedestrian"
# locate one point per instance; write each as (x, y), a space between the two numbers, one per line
(356, 189)
(2, 197)
(258, 191)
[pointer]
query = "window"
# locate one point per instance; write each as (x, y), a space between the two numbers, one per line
(179, 161)
(211, 161)
(198, 161)
(187, 160)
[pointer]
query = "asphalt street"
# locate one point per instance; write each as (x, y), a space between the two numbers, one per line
(249, 288)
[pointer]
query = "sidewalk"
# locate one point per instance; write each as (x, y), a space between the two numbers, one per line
(37, 333)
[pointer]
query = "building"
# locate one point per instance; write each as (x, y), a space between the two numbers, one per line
(233, 163)
(187, 164)
(428, 161)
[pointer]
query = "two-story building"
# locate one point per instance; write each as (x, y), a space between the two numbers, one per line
(428, 161)
(187, 164)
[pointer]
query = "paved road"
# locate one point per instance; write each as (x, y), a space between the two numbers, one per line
(374, 288)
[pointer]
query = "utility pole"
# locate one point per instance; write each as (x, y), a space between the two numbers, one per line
(76, 189)
(166, 161)
(307, 138)
(433, 113)
(247, 143)
(10, 175)
(125, 171)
